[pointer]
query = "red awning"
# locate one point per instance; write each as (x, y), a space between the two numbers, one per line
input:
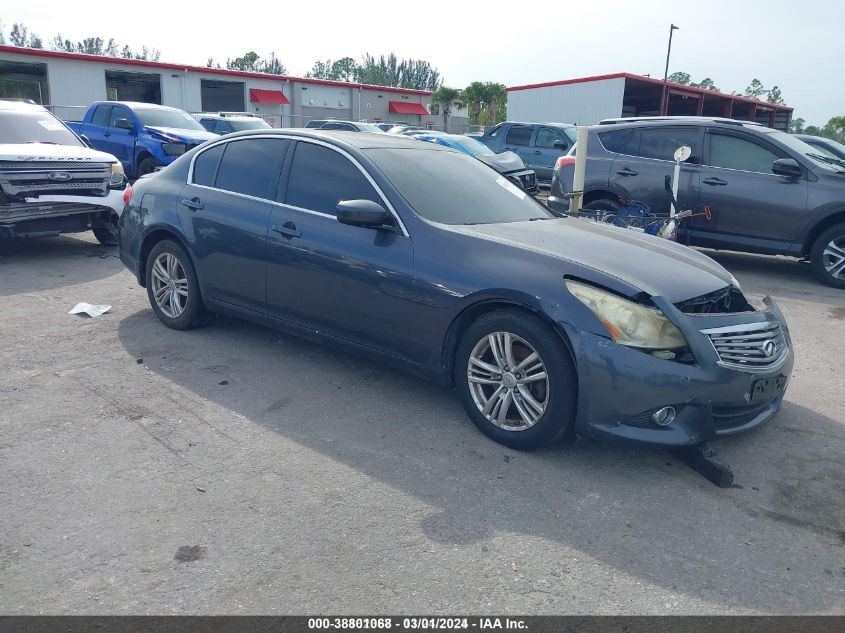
(403, 107)
(257, 95)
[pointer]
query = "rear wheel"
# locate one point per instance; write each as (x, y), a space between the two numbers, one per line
(516, 379)
(172, 287)
(827, 256)
(604, 210)
(146, 166)
(107, 235)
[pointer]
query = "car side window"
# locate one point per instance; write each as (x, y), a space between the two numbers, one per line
(101, 116)
(250, 166)
(733, 152)
(547, 136)
(495, 131)
(661, 143)
(519, 135)
(119, 112)
(321, 177)
(208, 124)
(205, 165)
(222, 127)
(614, 141)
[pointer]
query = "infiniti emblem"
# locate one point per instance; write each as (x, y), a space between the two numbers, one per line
(59, 175)
(768, 348)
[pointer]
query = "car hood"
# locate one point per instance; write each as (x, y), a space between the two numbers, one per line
(654, 265)
(504, 162)
(52, 153)
(183, 136)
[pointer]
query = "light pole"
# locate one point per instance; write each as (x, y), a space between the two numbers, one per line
(664, 101)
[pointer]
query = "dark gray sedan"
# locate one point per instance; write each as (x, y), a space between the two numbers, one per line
(427, 259)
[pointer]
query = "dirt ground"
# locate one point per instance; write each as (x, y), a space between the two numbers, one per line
(234, 469)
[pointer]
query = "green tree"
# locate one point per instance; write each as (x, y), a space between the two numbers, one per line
(343, 69)
(2, 33)
(390, 71)
(19, 35)
(680, 77)
(320, 70)
(796, 126)
(774, 95)
(755, 89)
(813, 130)
(486, 102)
(446, 98)
(707, 84)
(248, 62)
(835, 129)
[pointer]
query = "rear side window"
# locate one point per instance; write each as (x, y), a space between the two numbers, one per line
(614, 141)
(222, 127)
(101, 116)
(732, 152)
(208, 124)
(661, 143)
(519, 135)
(250, 166)
(205, 165)
(321, 177)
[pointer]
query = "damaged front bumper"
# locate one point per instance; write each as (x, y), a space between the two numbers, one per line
(56, 214)
(718, 394)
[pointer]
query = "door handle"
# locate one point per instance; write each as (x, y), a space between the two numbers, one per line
(510, 149)
(106, 133)
(715, 182)
(288, 229)
(627, 171)
(538, 153)
(192, 203)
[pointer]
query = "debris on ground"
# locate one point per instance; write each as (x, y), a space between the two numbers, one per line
(92, 310)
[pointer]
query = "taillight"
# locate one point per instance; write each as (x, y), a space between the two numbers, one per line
(564, 160)
(127, 194)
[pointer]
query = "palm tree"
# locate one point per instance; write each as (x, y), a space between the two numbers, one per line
(446, 98)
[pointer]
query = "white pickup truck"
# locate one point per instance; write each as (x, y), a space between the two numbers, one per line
(50, 181)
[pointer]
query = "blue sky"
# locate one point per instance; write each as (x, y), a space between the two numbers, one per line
(794, 45)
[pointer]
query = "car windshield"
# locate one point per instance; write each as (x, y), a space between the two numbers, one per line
(473, 147)
(254, 123)
(165, 117)
(369, 127)
(805, 149)
(35, 127)
(453, 188)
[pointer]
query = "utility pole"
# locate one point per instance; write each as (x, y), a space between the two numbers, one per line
(664, 101)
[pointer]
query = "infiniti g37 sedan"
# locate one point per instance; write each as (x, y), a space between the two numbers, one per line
(435, 263)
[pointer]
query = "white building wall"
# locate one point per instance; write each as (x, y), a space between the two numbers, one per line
(583, 103)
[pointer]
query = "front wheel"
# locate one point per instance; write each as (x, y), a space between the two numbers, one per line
(516, 379)
(172, 287)
(827, 256)
(146, 166)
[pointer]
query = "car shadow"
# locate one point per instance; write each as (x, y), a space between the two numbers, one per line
(19, 259)
(637, 510)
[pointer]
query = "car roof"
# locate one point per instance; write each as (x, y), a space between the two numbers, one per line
(674, 120)
(21, 105)
(138, 104)
(345, 138)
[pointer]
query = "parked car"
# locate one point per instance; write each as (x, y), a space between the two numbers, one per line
(384, 127)
(315, 123)
(405, 129)
(50, 182)
(507, 163)
(538, 144)
(351, 126)
(770, 192)
(826, 146)
(228, 122)
(421, 256)
(143, 136)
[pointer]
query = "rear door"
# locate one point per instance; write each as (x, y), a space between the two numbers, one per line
(639, 172)
(518, 141)
(543, 153)
(224, 211)
(753, 208)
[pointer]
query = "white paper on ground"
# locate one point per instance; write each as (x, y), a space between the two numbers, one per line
(89, 309)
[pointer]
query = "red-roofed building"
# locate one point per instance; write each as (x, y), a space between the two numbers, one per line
(588, 100)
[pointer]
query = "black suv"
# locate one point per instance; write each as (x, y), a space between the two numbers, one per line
(770, 192)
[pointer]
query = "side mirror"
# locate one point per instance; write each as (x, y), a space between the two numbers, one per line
(788, 167)
(123, 124)
(85, 140)
(561, 145)
(365, 213)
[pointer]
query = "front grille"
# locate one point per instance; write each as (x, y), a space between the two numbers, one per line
(61, 186)
(749, 347)
(725, 418)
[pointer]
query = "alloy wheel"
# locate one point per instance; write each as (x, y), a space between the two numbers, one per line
(833, 258)
(170, 285)
(508, 381)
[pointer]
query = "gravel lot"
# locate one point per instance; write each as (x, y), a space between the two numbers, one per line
(238, 470)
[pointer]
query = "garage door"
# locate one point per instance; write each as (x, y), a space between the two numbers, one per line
(309, 113)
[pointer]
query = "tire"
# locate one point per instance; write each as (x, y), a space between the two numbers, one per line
(827, 257)
(146, 166)
(176, 310)
(603, 209)
(555, 394)
(106, 235)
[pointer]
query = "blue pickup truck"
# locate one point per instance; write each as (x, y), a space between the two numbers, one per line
(143, 136)
(538, 144)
